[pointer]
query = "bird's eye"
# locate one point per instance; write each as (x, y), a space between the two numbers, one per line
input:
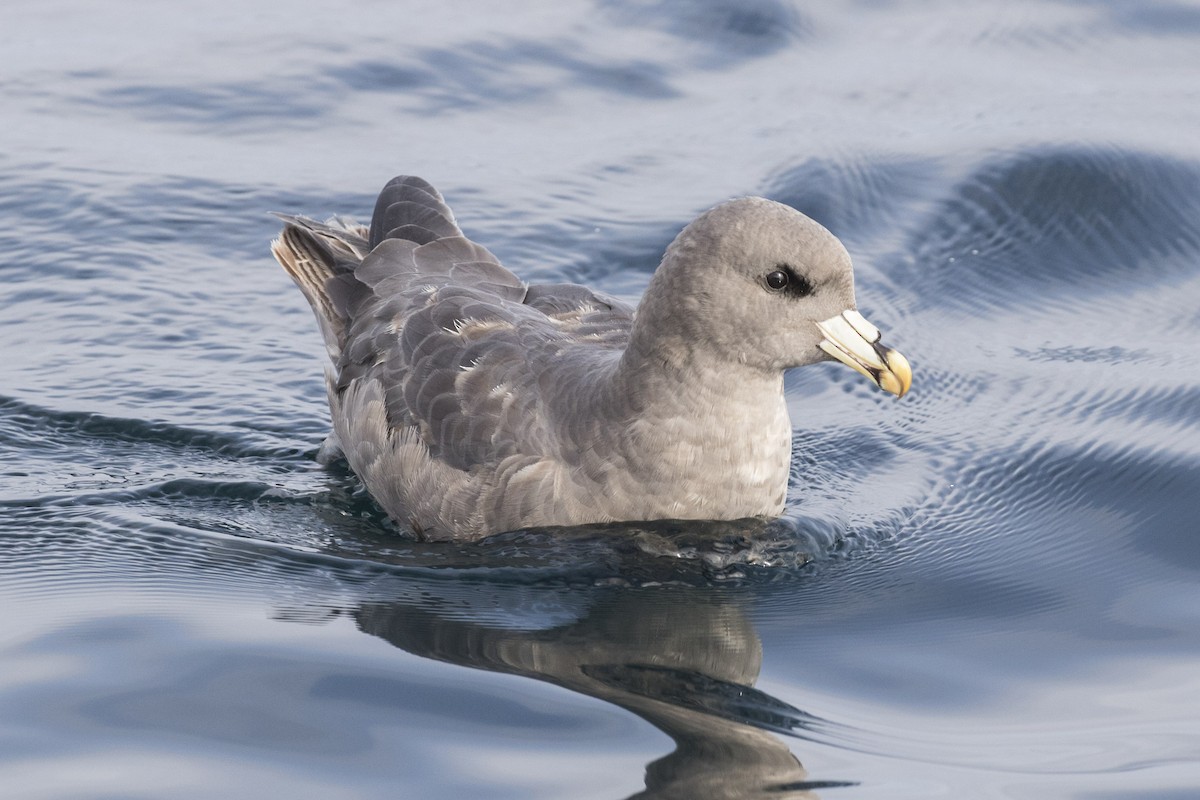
(777, 279)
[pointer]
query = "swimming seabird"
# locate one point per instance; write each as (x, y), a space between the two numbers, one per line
(471, 403)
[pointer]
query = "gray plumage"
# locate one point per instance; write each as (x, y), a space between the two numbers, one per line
(470, 403)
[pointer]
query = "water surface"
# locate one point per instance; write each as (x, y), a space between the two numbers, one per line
(987, 589)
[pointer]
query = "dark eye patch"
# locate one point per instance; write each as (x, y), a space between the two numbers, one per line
(785, 280)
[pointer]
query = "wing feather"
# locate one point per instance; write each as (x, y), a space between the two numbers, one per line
(400, 199)
(462, 353)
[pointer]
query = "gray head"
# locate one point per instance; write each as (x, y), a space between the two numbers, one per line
(757, 283)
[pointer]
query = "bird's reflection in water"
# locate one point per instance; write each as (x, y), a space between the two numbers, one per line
(647, 616)
(683, 658)
(685, 666)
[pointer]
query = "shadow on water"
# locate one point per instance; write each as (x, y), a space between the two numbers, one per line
(683, 661)
(683, 658)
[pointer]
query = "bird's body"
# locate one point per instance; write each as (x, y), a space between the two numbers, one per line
(470, 403)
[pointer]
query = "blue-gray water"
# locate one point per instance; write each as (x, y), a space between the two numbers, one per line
(1003, 596)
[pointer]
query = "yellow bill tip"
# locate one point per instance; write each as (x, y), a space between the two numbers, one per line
(897, 378)
(854, 341)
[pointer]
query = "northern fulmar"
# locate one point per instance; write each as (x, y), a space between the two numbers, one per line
(471, 403)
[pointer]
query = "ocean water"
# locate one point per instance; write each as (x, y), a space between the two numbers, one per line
(987, 589)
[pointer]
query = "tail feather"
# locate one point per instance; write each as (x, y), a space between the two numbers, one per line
(344, 237)
(320, 263)
(323, 257)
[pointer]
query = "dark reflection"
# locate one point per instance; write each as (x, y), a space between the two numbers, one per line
(718, 33)
(1055, 225)
(683, 658)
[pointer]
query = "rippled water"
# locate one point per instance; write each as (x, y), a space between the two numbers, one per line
(987, 589)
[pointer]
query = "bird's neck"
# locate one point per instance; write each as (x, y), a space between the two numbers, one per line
(670, 380)
(712, 436)
(668, 362)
